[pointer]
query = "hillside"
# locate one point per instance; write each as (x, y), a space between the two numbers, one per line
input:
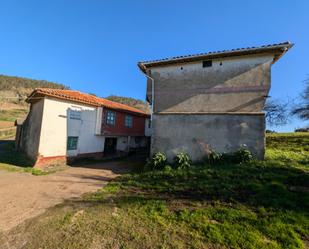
(14, 91)
(137, 103)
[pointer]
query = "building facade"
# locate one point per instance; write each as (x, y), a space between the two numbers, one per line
(210, 101)
(67, 125)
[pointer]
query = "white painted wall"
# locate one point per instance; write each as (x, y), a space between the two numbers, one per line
(122, 143)
(147, 127)
(57, 126)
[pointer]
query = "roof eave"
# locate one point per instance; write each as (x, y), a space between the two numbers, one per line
(278, 50)
(44, 94)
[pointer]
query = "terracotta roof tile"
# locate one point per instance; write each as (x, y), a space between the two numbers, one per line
(80, 97)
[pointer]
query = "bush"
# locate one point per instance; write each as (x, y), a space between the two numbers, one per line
(182, 161)
(214, 157)
(240, 156)
(157, 162)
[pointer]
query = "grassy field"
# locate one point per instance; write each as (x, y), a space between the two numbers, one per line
(12, 115)
(260, 204)
(7, 119)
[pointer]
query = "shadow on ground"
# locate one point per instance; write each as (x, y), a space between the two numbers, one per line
(8, 155)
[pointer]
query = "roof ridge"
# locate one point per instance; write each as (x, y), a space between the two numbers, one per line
(84, 98)
(287, 44)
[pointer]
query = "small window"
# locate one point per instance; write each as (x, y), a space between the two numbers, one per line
(207, 63)
(110, 118)
(72, 143)
(75, 114)
(128, 122)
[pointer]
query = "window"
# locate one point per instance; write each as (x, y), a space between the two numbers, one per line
(110, 117)
(128, 122)
(75, 114)
(72, 143)
(207, 63)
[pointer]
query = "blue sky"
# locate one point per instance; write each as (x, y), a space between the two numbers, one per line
(93, 46)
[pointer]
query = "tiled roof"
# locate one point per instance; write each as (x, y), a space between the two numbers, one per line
(279, 47)
(80, 97)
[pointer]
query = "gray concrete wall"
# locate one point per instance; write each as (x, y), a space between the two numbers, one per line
(31, 130)
(236, 84)
(197, 134)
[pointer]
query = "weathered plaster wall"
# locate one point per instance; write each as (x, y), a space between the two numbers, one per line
(196, 134)
(147, 127)
(236, 84)
(57, 126)
(31, 130)
(122, 144)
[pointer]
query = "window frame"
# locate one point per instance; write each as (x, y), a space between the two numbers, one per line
(72, 145)
(128, 121)
(108, 120)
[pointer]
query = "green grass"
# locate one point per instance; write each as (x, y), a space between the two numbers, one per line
(261, 204)
(12, 115)
(7, 133)
(11, 160)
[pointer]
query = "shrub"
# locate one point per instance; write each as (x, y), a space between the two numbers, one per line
(182, 161)
(240, 156)
(214, 157)
(157, 162)
(168, 168)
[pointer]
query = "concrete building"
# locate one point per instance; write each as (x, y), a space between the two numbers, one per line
(66, 124)
(210, 101)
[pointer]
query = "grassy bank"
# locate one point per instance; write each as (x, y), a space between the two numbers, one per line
(13, 114)
(11, 160)
(260, 204)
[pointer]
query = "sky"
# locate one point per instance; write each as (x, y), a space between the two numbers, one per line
(94, 45)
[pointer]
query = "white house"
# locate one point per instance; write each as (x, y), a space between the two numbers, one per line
(66, 124)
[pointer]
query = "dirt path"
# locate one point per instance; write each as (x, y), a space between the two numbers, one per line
(23, 196)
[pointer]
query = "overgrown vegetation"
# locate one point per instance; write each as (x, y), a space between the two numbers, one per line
(256, 204)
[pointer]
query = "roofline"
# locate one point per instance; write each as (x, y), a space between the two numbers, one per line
(278, 49)
(44, 94)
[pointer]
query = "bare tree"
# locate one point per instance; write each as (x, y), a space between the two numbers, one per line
(276, 112)
(301, 110)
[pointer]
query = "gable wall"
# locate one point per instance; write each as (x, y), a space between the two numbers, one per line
(57, 126)
(238, 85)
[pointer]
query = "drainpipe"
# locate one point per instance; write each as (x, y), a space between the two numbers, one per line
(152, 93)
(152, 108)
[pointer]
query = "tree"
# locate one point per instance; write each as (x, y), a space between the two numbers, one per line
(302, 109)
(276, 112)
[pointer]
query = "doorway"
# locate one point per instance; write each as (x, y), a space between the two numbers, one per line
(110, 146)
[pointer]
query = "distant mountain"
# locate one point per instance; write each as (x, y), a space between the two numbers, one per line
(137, 103)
